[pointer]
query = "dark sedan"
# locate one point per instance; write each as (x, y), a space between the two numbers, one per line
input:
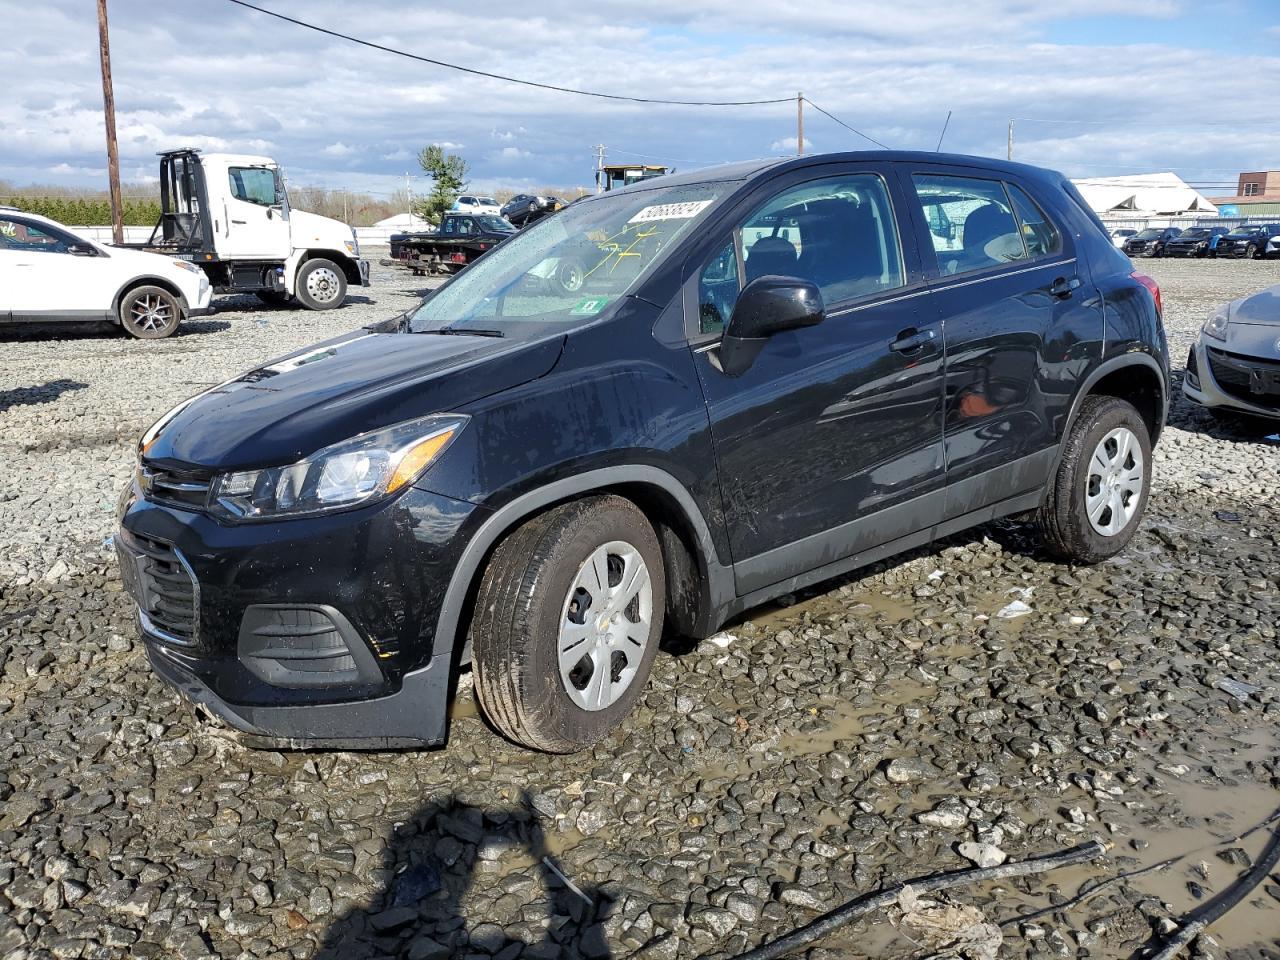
(524, 208)
(1195, 242)
(1150, 242)
(1249, 241)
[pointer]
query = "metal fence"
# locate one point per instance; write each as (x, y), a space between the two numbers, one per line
(1183, 222)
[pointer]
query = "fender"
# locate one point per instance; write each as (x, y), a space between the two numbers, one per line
(719, 579)
(143, 280)
(1107, 367)
(300, 255)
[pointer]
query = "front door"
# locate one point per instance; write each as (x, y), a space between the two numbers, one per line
(256, 225)
(49, 274)
(1022, 321)
(831, 442)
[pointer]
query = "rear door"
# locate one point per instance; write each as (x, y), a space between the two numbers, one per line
(255, 227)
(831, 442)
(1022, 321)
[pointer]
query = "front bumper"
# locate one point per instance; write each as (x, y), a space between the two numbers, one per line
(1201, 385)
(363, 267)
(313, 632)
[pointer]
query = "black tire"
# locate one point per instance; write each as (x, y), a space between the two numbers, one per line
(274, 297)
(150, 313)
(520, 605)
(1062, 517)
(1251, 252)
(320, 285)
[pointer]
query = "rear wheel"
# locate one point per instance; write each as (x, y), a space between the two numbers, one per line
(321, 285)
(150, 313)
(1096, 499)
(567, 623)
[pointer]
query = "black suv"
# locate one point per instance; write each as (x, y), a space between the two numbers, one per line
(755, 377)
(1249, 241)
(1150, 242)
(1195, 242)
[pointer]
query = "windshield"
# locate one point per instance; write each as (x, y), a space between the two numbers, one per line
(1194, 234)
(495, 224)
(1243, 232)
(568, 268)
(1149, 234)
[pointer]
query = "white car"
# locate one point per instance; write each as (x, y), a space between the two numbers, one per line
(48, 273)
(1118, 237)
(474, 204)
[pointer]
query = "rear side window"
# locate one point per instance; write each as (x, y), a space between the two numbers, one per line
(1038, 232)
(971, 222)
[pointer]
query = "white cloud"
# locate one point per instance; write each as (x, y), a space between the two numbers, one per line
(512, 153)
(788, 145)
(447, 145)
(338, 149)
(66, 169)
(401, 154)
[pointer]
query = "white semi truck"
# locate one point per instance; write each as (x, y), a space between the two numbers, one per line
(229, 215)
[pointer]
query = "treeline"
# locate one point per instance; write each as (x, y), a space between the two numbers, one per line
(86, 211)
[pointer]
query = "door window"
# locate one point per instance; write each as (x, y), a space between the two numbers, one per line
(1039, 233)
(29, 238)
(254, 185)
(838, 233)
(970, 221)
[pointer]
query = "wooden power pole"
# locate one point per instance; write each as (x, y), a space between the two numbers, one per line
(799, 124)
(109, 112)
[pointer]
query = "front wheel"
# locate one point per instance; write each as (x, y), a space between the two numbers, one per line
(150, 313)
(1096, 499)
(1251, 252)
(567, 622)
(321, 285)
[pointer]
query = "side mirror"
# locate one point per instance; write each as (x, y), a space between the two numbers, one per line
(81, 250)
(767, 305)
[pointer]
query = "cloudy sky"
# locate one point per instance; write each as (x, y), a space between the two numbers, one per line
(1186, 85)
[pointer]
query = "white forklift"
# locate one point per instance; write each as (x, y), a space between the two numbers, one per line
(229, 215)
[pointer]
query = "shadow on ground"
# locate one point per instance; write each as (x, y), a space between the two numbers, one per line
(450, 853)
(41, 393)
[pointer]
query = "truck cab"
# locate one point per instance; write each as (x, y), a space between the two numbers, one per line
(230, 215)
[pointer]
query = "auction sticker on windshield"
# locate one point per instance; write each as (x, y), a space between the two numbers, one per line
(670, 211)
(589, 306)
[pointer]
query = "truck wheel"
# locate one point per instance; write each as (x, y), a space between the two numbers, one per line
(1095, 501)
(567, 623)
(274, 296)
(150, 313)
(321, 285)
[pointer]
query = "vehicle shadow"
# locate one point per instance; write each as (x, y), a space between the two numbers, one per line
(449, 853)
(41, 393)
(1227, 427)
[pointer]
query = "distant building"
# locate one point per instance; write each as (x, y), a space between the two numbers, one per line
(1142, 196)
(1257, 194)
(404, 221)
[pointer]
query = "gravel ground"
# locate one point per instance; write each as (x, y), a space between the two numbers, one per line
(814, 750)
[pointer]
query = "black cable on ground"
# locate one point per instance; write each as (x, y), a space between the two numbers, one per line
(861, 906)
(1191, 925)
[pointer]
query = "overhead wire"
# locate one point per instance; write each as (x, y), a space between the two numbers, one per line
(508, 79)
(826, 114)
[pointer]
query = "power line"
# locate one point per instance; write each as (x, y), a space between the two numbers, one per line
(506, 79)
(825, 113)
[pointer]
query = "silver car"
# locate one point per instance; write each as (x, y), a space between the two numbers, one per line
(1235, 366)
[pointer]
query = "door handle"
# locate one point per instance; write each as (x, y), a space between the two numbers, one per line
(911, 340)
(240, 221)
(1064, 287)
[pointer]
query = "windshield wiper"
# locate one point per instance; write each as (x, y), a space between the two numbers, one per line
(465, 332)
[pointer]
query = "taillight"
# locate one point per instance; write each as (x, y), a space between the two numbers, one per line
(1154, 287)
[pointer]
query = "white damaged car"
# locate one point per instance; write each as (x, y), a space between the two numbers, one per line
(1235, 366)
(48, 273)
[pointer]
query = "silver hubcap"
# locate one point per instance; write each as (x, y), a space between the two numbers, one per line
(571, 278)
(151, 312)
(322, 284)
(1113, 488)
(605, 626)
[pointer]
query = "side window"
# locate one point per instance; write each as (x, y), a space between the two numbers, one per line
(1039, 233)
(971, 222)
(718, 290)
(17, 235)
(839, 233)
(450, 225)
(466, 225)
(253, 185)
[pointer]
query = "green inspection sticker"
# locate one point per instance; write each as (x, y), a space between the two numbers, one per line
(589, 306)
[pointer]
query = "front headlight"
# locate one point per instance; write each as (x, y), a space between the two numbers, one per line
(352, 473)
(353, 247)
(1216, 326)
(187, 266)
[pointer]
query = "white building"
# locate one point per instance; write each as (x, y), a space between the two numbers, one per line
(404, 221)
(1142, 196)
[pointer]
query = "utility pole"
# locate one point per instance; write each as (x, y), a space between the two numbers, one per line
(345, 218)
(799, 124)
(109, 113)
(408, 191)
(1010, 139)
(599, 167)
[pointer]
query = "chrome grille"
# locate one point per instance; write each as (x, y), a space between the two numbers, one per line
(167, 592)
(189, 491)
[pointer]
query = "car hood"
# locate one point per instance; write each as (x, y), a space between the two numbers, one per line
(307, 229)
(1262, 308)
(295, 405)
